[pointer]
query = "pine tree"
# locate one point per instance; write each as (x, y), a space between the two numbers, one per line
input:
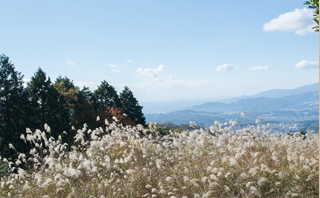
(46, 105)
(84, 110)
(68, 92)
(12, 103)
(105, 96)
(131, 106)
(77, 102)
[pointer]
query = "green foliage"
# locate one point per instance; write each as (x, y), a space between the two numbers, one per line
(301, 134)
(4, 169)
(166, 131)
(46, 105)
(69, 93)
(314, 4)
(59, 105)
(84, 111)
(77, 103)
(131, 106)
(12, 103)
(180, 127)
(105, 95)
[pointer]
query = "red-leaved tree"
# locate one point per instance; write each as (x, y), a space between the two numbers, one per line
(118, 112)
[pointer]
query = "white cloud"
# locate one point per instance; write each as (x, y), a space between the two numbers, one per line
(299, 21)
(152, 73)
(71, 63)
(304, 64)
(157, 79)
(113, 65)
(114, 70)
(224, 68)
(171, 77)
(129, 61)
(260, 68)
(160, 68)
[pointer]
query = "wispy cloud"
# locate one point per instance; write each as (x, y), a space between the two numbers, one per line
(152, 73)
(173, 83)
(260, 68)
(71, 63)
(129, 61)
(304, 64)
(113, 65)
(299, 21)
(114, 70)
(224, 68)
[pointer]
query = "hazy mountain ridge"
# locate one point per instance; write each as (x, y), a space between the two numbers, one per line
(295, 108)
(278, 93)
(297, 101)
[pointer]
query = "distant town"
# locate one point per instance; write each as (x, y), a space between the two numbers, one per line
(296, 109)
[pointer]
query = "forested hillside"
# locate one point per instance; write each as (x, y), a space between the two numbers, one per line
(59, 104)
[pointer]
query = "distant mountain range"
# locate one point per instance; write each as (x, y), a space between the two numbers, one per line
(289, 104)
(296, 101)
(277, 93)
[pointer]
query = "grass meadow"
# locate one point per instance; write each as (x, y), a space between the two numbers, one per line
(119, 161)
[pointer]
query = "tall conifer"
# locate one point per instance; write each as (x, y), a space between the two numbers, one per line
(84, 110)
(131, 106)
(105, 96)
(46, 105)
(12, 105)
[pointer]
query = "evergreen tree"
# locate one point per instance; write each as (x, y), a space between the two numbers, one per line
(105, 96)
(77, 102)
(12, 103)
(68, 92)
(84, 110)
(131, 106)
(46, 105)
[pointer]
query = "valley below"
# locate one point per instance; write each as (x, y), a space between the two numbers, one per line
(296, 109)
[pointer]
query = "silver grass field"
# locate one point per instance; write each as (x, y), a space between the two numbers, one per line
(137, 162)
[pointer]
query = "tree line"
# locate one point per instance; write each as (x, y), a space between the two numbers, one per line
(59, 104)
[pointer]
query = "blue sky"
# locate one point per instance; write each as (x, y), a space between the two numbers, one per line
(165, 50)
